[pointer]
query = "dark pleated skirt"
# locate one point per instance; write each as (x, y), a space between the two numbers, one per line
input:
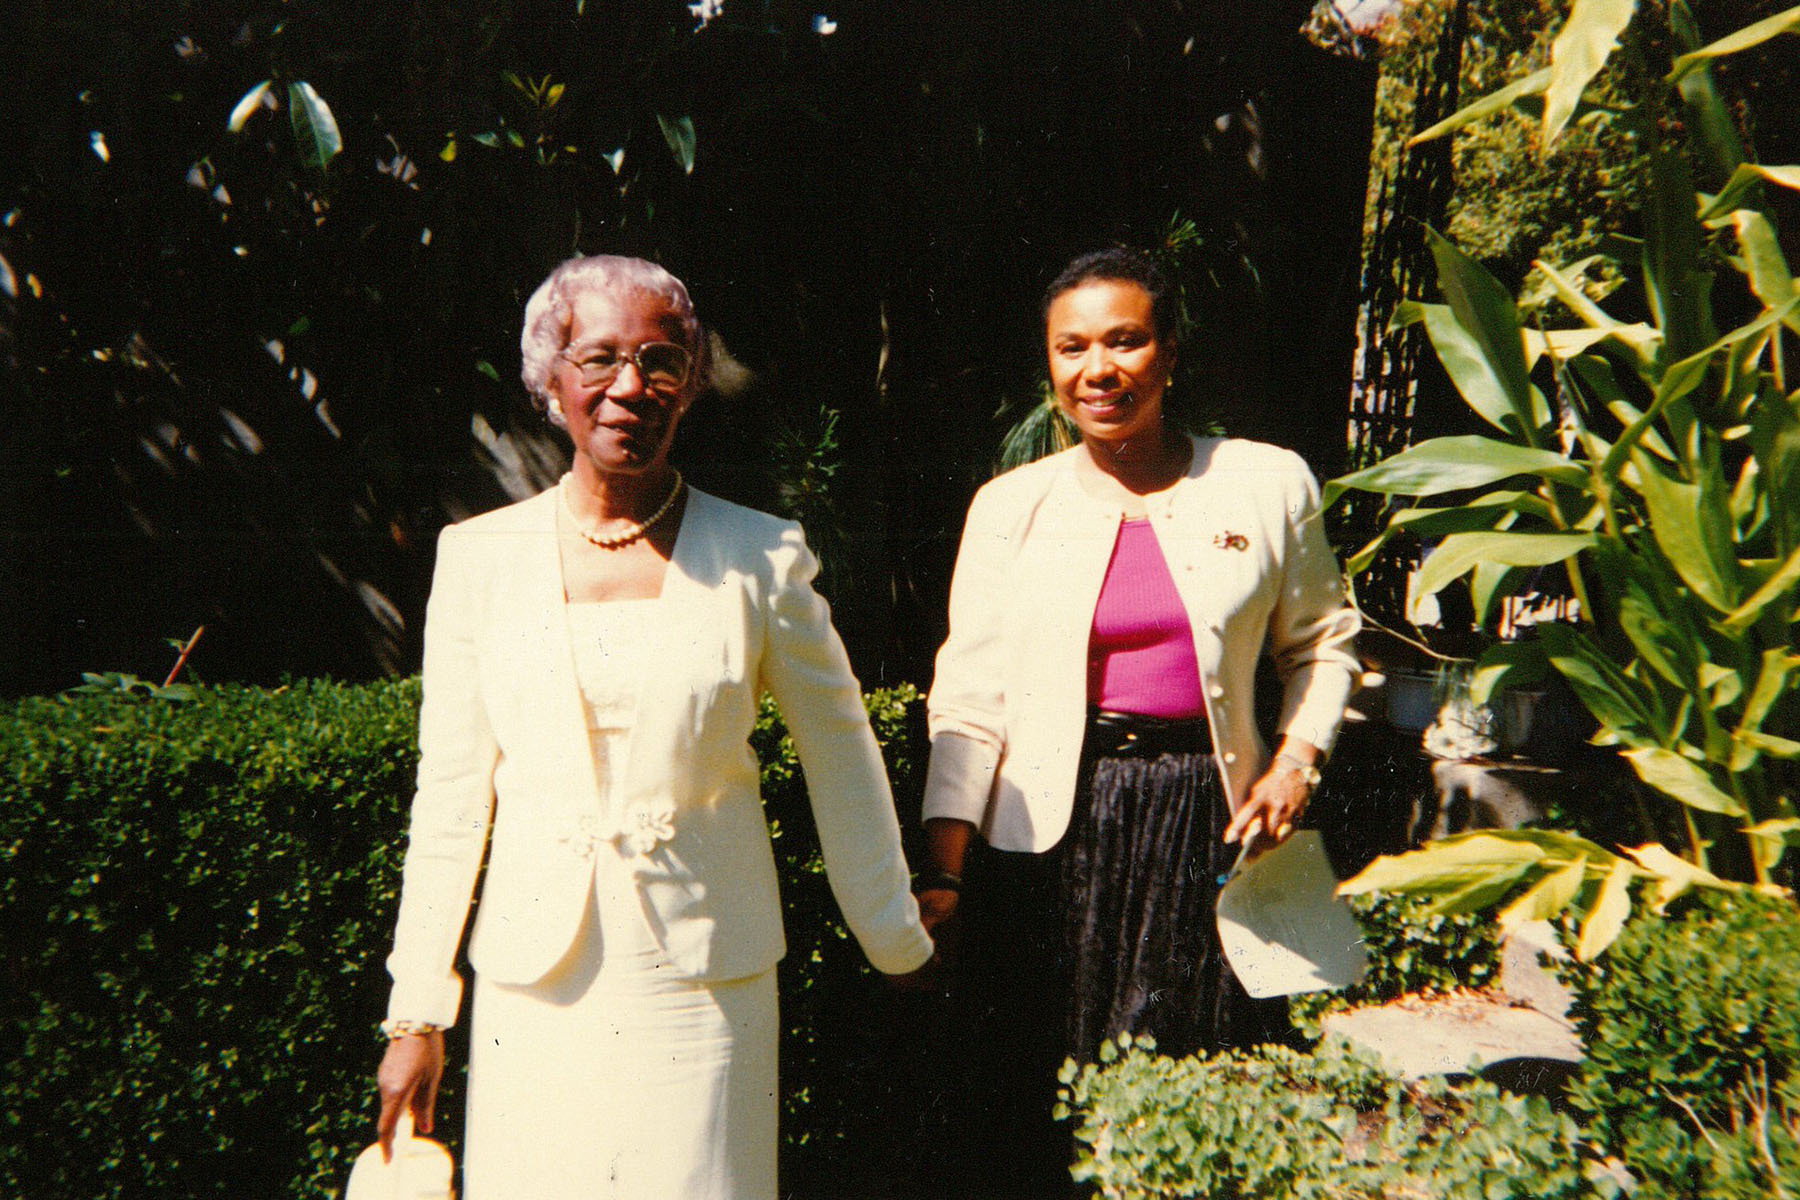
(1111, 931)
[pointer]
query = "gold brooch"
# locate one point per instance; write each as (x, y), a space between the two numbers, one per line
(1231, 541)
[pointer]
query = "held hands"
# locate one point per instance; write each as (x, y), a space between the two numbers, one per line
(408, 1077)
(937, 913)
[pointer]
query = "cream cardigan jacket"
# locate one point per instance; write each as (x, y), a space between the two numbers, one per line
(1008, 707)
(505, 764)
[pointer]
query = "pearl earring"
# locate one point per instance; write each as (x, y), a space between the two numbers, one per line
(554, 408)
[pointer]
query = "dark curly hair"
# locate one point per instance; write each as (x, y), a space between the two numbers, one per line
(1126, 265)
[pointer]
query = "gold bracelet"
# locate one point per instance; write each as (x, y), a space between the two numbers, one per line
(395, 1028)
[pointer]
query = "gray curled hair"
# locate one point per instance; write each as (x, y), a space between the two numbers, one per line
(551, 309)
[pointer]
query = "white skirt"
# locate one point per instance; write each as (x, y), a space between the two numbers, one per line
(614, 1078)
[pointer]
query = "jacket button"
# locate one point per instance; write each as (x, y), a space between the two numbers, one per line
(1216, 692)
(1229, 757)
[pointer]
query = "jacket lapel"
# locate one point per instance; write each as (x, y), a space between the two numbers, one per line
(543, 662)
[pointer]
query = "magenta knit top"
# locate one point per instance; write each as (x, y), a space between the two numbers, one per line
(1141, 650)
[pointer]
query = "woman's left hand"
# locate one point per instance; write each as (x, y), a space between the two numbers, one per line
(1273, 807)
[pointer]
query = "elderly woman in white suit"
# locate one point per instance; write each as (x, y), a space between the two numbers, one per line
(593, 658)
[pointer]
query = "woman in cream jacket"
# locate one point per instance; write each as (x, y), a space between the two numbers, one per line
(593, 660)
(1092, 718)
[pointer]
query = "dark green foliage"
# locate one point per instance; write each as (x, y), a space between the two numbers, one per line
(1411, 950)
(195, 900)
(1693, 1039)
(1275, 1123)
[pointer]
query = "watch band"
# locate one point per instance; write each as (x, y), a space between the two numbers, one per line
(1307, 770)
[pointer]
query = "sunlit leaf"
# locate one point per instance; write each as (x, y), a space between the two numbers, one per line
(1458, 553)
(1608, 915)
(1682, 778)
(1447, 865)
(1466, 365)
(1546, 898)
(1453, 463)
(1533, 84)
(1764, 263)
(1674, 875)
(1787, 21)
(1778, 585)
(1747, 176)
(1586, 41)
(246, 106)
(1485, 309)
(315, 129)
(1693, 530)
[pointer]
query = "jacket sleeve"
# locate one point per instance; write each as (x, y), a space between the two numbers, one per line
(1312, 631)
(805, 669)
(453, 806)
(967, 706)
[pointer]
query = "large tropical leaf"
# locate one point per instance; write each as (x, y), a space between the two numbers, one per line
(1608, 916)
(1640, 337)
(1451, 464)
(1531, 85)
(315, 129)
(1618, 701)
(1682, 378)
(1787, 21)
(1691, 526)
(1711, 127)
(1546, 898)
(1465, 363)
(1778, 585)
(1684, 779)
(1485, 309)
(1669, 647)
(1448, 866)
(1764, 265)
(1460, 552)
(1507, 665)
(1492, 511)
(1586, 41)
(1675, 876)
(1747, 176)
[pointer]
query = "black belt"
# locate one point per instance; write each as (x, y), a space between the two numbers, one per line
(1137, 735)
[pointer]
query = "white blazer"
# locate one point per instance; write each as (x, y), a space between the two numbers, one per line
(505, 762)
(1008, 707)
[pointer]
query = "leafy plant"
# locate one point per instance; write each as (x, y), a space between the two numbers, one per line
(1274, 1122)
(1692, 1074)
(1412, 950)
(1656, 464)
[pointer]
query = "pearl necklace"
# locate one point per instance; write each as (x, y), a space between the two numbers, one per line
(619, 540)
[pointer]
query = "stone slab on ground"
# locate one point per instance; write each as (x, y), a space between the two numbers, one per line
(1453, 1034)
(1524, 978)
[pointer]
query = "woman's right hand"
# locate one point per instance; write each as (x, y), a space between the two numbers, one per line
(408, 1076)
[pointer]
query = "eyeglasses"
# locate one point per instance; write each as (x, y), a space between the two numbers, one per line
(663, 365)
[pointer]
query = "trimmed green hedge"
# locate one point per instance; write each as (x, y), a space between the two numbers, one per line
(195, 900)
